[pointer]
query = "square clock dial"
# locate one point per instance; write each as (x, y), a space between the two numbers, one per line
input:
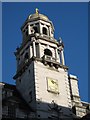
(52, 85)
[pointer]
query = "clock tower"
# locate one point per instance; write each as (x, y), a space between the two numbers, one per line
(42, 76)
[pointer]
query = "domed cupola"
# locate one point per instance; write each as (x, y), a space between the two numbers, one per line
(38, 16)
(37, 24)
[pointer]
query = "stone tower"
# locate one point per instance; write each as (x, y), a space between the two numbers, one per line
(42, 76)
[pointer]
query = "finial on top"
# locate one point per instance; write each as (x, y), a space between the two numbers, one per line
(37, 11)
(61, 42)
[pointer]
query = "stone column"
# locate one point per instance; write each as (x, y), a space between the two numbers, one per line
(34, 49)
(50, 31)
(30, 51)
(62, 57)
(40, 28)
(39, 50)
(56, 56)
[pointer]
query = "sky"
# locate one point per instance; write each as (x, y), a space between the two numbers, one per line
(70, 21)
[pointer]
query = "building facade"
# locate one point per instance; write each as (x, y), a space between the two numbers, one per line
(42, 80)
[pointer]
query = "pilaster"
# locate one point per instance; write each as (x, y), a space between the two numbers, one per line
(62, 57)
(34, 49)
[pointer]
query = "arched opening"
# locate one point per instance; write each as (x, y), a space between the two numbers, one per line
(48, 52)
(35, 29)
(27, 33)
(26, 56)
(44, 31)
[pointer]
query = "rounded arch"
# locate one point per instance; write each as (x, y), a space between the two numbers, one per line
(44, 29)
(47, 52)
(35, 29)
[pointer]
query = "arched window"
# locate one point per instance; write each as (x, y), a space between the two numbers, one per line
(35, 29)
(26, 56)
(44, 31)
(26, 29)
(27, 33)
(48, 52)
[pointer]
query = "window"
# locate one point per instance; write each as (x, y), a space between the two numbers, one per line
(48, 52)
(27, 33)
(26, 56)
(44, 31)
(35, 29)
(37, 50)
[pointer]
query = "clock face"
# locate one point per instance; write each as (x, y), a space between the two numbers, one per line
(52, 85)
